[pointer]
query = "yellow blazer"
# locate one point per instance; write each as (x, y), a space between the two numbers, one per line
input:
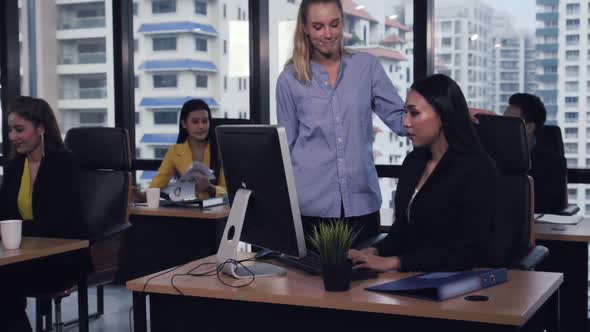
(178, 159)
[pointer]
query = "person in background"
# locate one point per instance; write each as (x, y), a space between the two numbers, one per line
(193, 144)
(548, 169)
(325, 98)
(40, 187)
(446, 190)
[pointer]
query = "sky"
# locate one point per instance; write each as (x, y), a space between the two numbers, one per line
(523, 11)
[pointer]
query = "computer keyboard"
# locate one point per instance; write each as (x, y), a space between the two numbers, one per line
(311, 264)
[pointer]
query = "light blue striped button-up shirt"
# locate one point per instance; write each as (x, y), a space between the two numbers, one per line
(330, 134)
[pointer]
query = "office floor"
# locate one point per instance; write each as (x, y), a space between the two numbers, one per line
(117, 302)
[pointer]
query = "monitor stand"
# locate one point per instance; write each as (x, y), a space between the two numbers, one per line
(228, 247)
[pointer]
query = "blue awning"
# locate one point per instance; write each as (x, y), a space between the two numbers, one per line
(173, 102)
(178, 65)
(155, 139)
(148, 175)
(198, 28)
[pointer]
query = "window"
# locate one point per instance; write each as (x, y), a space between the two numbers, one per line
(572, 24)
(572, 40)
(137, 118)
(160, 152)
(572, 55)
(571, 101)
(571, 133)
(446, 42)
(135, 45)
(571, 117)
(166, 117)
(135, 8)
(165, 81)
(572, 193)
(202, 80)
(92, 87)
(136, 80)
(164, 43)
(571, 147)
(173, 65)
(163, 6)
(92, 118)
(201, 44)
(201, 7)
(572, 8)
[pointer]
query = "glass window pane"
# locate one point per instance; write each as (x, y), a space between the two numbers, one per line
(379, 28)
(67, 59)
(187, 49)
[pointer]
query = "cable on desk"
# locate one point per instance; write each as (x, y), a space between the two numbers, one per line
(215, 272)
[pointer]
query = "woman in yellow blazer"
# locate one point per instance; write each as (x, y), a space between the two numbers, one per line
(193, 144)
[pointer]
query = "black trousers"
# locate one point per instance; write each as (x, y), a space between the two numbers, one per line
(13, 316)
(367, 225)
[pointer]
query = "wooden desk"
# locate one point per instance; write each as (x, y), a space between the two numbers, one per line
(37, 247)
(168, 236)
(568, 254)
(214, 212)
(17, 267)
(298, 302)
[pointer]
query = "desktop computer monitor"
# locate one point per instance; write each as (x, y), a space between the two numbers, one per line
(261, 188)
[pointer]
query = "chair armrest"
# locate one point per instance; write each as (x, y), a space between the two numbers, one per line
(532, 258)
(370, 242)
(570, 210)
(110, 232)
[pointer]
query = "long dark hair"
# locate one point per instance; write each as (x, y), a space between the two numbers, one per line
(38, 112)
(188, 107)
(448, 101)
(199, 105)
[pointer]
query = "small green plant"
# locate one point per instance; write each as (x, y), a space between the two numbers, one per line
(333, 240)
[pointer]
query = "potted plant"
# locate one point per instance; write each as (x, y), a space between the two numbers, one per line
(333, 240)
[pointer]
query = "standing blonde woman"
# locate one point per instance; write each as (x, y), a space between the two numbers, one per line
(325, 99)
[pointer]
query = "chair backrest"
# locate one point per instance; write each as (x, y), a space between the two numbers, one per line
(215, 122)
(504, 138)
(549, 137)
(105, 179)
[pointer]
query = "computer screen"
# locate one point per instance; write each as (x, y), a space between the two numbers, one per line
(256, 160)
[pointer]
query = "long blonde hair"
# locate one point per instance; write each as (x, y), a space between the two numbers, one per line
(302, 47)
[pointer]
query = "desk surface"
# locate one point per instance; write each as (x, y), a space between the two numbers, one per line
(575, 233)
(36, 247)
(214, 212)
(511, 303)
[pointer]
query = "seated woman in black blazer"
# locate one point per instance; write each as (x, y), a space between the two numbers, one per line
(445, 194)
(40, 187)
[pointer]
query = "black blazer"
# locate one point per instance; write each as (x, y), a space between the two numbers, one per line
(451, 217)
(56, 208)
(549, 171)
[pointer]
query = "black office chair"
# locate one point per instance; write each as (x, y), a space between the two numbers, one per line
(105, 187)
(550, 139)
(513, 243)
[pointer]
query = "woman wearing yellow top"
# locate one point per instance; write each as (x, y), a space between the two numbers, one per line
(40, 186)
(193, 144)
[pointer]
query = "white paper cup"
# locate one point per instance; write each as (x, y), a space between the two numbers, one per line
(11, 231)
(153, 197)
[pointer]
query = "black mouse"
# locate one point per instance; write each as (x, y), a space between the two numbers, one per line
(266, 254)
